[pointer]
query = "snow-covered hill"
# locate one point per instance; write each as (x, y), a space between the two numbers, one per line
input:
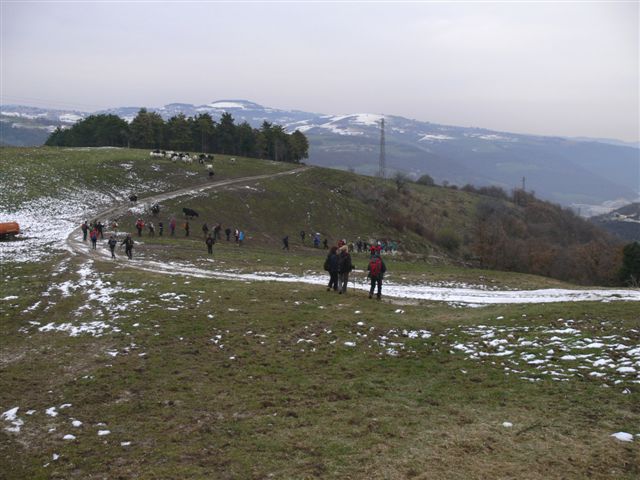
(573, 172)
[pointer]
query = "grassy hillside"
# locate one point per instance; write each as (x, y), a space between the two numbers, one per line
(108, 371)
(440, 225)
(33, 173)
(180, 377)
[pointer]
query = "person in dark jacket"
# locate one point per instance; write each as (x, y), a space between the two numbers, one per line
(227, 232)
(331, 266)
(285, 243)
(209, 241)
(344, 268)
(85, 230)
(376, 269)
(94, 237)
(112, 242)
(128, 246)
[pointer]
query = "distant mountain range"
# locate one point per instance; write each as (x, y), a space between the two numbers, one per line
(580, 172)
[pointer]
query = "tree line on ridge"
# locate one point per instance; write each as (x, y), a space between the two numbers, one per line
(197, 134)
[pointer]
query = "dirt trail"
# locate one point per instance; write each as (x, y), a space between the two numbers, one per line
(79, 247)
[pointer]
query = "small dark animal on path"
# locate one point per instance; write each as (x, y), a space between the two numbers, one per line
(133, 197)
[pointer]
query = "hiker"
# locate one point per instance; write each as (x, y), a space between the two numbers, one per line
(285, 243)
(325, 244)
(152, 229)
(376, 269)
(139, 226)
(172, 226)
(85, 230)
(227, 232)
(186, 228)
(240, 237)
(359, 245)
(94, 237)
(344, 268)
(302, 235)
(112, 242)
(236, 234)
(316, 240)
(205, 229)
(114, 226)
(216, 232)
(100, 227)
(331, 266)
(128, 246)
(209, 241)
(160, 228)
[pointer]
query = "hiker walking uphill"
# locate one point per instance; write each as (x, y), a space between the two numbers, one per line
(344, 268)
(112, 242)
(128, 246)
(94, 237)
(85, 230)
(209, 241)
(285, 243)
(140, 226)
(172, 226)
(227, 232)
(331, 266)
(376, 269)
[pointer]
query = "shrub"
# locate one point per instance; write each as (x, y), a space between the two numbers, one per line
(448, 240)
(426, 180)
(630, 271)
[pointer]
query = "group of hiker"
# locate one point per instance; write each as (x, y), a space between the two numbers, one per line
(339, 265)
(95, 231)
(359, 246)
(338, 262)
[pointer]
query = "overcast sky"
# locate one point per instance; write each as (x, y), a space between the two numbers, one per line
(567, 69)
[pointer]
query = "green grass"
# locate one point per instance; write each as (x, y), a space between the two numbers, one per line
(48, 171)
(278, 394)
(288, 408)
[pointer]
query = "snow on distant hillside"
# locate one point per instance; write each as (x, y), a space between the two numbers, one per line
(366, 118)
(224, 105)
(70, 118)
(435, 138)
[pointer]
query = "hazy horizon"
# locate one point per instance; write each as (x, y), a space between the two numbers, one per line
(567, 69)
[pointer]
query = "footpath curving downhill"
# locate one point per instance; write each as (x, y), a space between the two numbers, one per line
(456, 294)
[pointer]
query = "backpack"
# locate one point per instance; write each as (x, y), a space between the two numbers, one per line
(375, 267)
(344, 263)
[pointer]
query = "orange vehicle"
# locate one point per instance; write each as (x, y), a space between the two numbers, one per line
(9, 229)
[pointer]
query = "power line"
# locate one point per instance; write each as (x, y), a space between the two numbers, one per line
(382, 172)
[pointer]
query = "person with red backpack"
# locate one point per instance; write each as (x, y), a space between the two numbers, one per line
(376, 269)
